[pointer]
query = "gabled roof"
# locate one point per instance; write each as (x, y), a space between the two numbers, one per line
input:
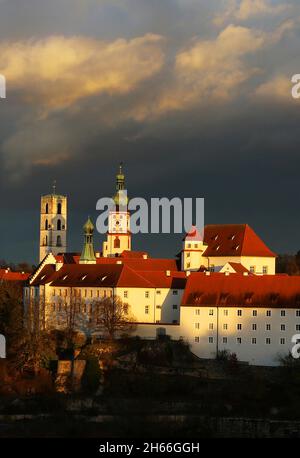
(240, 290)
(108, 275)
(234, 240)
(238, 268)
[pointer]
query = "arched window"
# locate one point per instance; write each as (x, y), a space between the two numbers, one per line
(46, 225)
(58, 240)
(59, 225)
(59, 209)
(47, 209)
(117, 243)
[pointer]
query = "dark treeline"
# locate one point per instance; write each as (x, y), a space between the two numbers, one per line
(288, 264)
(19, 267)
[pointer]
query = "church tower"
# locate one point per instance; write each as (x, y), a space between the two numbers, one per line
(53, 224)
(88, 253)
(118, 236)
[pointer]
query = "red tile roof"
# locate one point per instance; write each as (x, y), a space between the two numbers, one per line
(239, 290)
(234, 240)
(108, 275)
(7, 275)
(134, 254)
(238, 268)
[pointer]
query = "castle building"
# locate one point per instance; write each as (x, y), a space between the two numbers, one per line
(221, 294)
(53, 224)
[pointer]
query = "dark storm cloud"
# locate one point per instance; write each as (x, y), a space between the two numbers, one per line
(193, 96)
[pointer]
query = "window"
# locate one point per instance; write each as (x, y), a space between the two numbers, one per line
(158, 291)
(225, 312)
(253, 340)
(175, 292)
(146, 294)
(211, 312)
(268, 313)
(59, 208)
(189, 245)
(117, 242)
(239, 340)
(211, 326)
(268, 327)
(252, 269)
(225, 340)
(282, 327)
(239, 312)
(282, 312)
(265, 270)
(58, 226)
(146, 309)
(197, 325)
(297, 312)
(225, 327)
(47, 208)
(210, 340)
(254, 312)
(196, 245)
(254, 327)
(282, 341)
(268, 341)
(297, 327)
(175, 306)
(239, 327)
(58, 240)
(188, 265)
(158, 306)
(126, 294)
(46, 225)
(197, 339)
(188, 255)
(197, 311)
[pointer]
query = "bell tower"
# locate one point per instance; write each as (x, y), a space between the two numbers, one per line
(53, 224)
(118, 236)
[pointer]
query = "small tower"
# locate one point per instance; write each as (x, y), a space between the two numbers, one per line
(118, 236)
(53, 224)
(88, 253)
(193, 252)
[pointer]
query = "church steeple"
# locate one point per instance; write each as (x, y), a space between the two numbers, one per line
(120, 197)
(88, 252)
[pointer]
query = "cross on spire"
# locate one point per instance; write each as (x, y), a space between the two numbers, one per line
(54, 186)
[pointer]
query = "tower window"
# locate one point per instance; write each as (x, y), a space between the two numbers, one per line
(117, 243)
(59, 225)
(47, 208)
(58, 240)
(59, 209)
(46, 224)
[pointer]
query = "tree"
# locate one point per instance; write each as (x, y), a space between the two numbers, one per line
(113, 316)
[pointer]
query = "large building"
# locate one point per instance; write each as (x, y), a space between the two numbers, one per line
(222, 293)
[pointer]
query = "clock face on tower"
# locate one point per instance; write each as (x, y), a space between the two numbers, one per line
(118, 223)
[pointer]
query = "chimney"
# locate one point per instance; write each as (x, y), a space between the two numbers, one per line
(245, 274)
(227, 274)
(207, 273)
(119, 262)
(145, 256)
(168, 273)
(188, 273)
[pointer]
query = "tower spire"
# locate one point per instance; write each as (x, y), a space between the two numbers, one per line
(88, 252)
(54, 187)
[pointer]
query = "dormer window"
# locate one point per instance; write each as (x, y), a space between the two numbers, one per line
(65, 277)
(103, 278)
(83, 278)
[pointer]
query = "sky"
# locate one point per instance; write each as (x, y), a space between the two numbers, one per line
(193, 96)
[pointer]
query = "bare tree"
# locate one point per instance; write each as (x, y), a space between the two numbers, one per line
(113, 316)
